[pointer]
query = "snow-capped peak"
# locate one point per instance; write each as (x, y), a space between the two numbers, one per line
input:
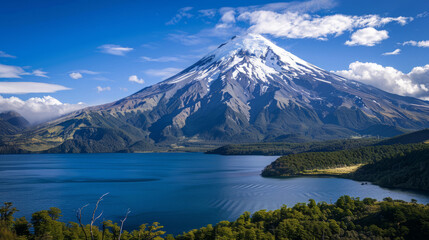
(256, 45)
(252, 55)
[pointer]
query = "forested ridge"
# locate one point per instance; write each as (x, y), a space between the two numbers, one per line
(286, 148)
(296, 164)
(347, 218)
(409, 170)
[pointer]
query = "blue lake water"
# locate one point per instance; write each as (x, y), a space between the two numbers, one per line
(182, 191)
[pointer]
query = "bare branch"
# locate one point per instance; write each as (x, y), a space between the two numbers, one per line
(93, 219)
(98, 216)
(122, 223)
(79, 218)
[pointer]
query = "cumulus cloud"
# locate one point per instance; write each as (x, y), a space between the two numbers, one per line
(181, 14)
(417, 44)
(297, 25)
(5, 55)
(134, 78)
(414, 83)
(287, 20)
(163, 73)
(115, 49)
(367, 37)
(75, 75)
(102, 89)
(394, 52)
(227, 20)
(29, 87)
(161, 59)
(37, 110)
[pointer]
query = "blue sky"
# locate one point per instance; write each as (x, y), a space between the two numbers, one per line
(100, 51)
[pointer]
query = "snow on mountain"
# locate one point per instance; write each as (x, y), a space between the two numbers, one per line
(246, 90)
(251, 54)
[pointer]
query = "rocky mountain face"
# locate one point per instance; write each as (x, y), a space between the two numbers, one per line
(12, 122)
(246, 90)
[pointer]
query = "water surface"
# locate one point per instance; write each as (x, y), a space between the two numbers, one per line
(180, 190)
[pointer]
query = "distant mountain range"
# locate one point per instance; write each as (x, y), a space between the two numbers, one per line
(246, 90)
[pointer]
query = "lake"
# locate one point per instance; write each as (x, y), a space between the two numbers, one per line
(182, 191)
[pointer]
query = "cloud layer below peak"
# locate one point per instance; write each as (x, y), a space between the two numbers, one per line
(37, 110)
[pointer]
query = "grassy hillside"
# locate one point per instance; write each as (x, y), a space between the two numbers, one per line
(347, 218)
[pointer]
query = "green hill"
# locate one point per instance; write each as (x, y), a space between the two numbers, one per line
(298, 164)
(413, 137)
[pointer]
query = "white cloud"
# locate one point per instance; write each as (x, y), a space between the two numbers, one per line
(163, 73)
(423, 14)
(29, 87)
(37, 110)
(115, 49)
(417, 44)
(395, 52)
(228, 17)
(297, 25)
(39, 73)
(287, 20)
(5, 55)
(134, 78)
(102, 89)
(367, 37)
(415, 83)
(79, 73)
(75, 75)
(8, 71)
(161, 59)
(182, 13)
(207, 13)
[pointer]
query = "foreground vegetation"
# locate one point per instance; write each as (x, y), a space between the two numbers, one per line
(348, 218)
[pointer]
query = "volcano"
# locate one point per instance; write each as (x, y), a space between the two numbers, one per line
(246, 90)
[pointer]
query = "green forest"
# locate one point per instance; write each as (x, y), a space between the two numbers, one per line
(295, 164)
(285, 148)
(347, 218)
(409, 170)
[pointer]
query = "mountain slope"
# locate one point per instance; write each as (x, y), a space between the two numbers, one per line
(246, 90)
(12, 122)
